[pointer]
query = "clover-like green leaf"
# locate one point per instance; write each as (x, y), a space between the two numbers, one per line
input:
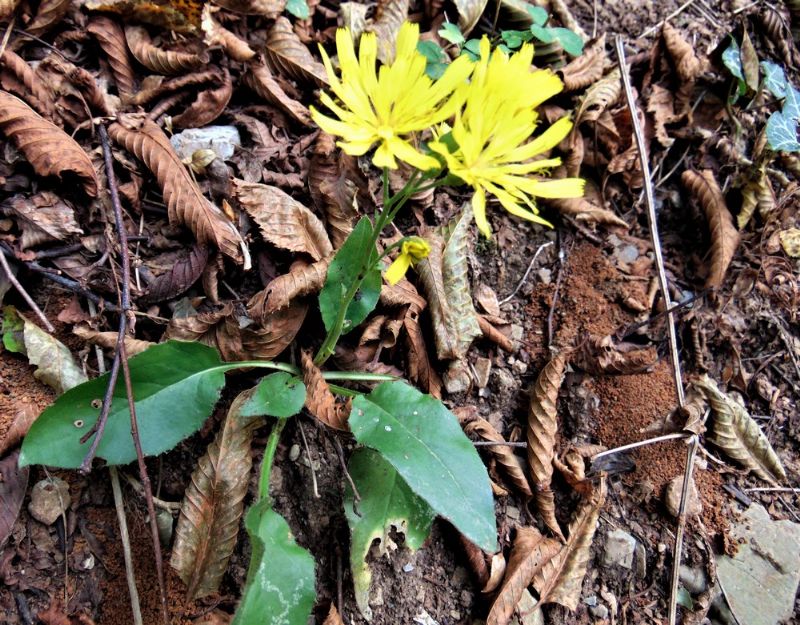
(450, 32)
(569, 40)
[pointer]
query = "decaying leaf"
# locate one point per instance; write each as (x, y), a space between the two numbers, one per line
(167, 62)
(13, 484)
(687, 65)
(111, 38)
(319, 399)
(209, 104)
(50, 151)
(583, 210)
(182, 17)
(261, 80)
(290, 56)
(26, 413)
(42, 217)
(724, 236)
(749, 61)
(333, 617)
(109, 340)
(7, 8)
(181, 275)
(217, 35)
(155, 86)
(48, 14)
(219, 329)
(389, 16)
(790, 241)
(283, 221)
(599, 355)
(599, 97)
(749, 202)
(271, 334)
(353, 16)
(737, 434)
(505, 456)
(302, 279)
(213, 504)
(469, 12)
(572, 467)
(185, 202)
(265, 8)
(17, 77)
(586, 69)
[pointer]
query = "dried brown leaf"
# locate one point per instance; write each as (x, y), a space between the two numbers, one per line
(572, 467)
(213, 504)
(363, 358)
(217, 35)
(26, 413)
(7, 8)
(13, 484)
(600, 355)
(209, 104)
(420, 368)
(497, 570)
(263, 83)
(219, 329)
(283, 221)
(333, 617)
(737, 434)
(18, 77)
(389, 16)
(182, 17)
(183, 274)
(510, 463)
(583, 210)
(749, 58)
(267, 338)
(476, 559)
(109, 340)
(42, 217)
(319, 399)
(265, 8)
(111, 38)
(185, 202)
(495, 335)
(724, 236)
(546, 506)
(289, 56)
(353, 16)
(586, 69)
(77, 83)
(687, 65)
(167, 62)
(775, 29)
(48, 14)
(599, 97)
(156, 86)
(302, 279)
(50, 151)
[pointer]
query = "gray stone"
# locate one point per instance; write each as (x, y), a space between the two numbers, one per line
(591, 601)
(222, 140)
(619, 550)
(49, 500)
(761, 580)
(528, 612)
(599, 611)
(672, 497)
(693, 579)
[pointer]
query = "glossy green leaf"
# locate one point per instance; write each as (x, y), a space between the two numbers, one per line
(280, 581)
(450, 32)
(298, 8)
(343, 272)
(774, 79)
(277, 395)
(423, 441)
(538, 14)
(175, 386)
(386, 502)
(542, 33)
(569, 40)
(732, 59)
(781, 133)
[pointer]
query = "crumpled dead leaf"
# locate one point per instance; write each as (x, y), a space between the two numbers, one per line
(167, 62)
(333, 617)
(586, 69)
(111, 38)
(181, 275)
(790, 241)
(320, 401)
(48, 15)
(13, 485)
(108, 340)
(26, 414)
(599, 355)
(303, 279)
(219, 329)
(41, 217)
(209, 104)
(17, 77)
(510, 463)
(273, 332)
(288, 55)
(389, 16)
(599, 97)
(263, 83)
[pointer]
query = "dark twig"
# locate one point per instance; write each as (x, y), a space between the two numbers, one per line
(34, 307)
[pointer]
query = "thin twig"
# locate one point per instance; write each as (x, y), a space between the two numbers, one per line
(310, 463)
(675, 13)
(499, 444)
(649, 441)
(772, 490)
(527, 273)
(348, 477)
(126, 546)
(673, 338)
(28, 299)
(171, 506)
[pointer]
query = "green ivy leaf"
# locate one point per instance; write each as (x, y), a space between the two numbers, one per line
(343, 272)
(280, 580)
(791, 105)
(175, 386)
(436, 57)
(472, 49)
(423, 441)
(298, 8)
(782, 133)
(450, 32)
(386, 502)
(542, 33)
(732, 59)
(278, 395)
(774, 79)
(538, 15)
(570, 41)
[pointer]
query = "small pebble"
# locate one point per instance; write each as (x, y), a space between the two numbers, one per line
(407, 568)
(294, 453)
(49, 500)
(672, 498)
(599, 611)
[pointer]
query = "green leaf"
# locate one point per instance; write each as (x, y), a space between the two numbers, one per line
(343, 272)
(13, 326)
(685, 599)
(782, 133)
(569, 40)
(423, 441)
(543, 34)
(791, 105)
(538, 15)
(450, 32)
(386, 502)
(436, 57)
(280, 580)
(472, 49)
(298, 8)
(515, 38)
(175, 385)
(774, 79)
(732, 59)
(277, 395)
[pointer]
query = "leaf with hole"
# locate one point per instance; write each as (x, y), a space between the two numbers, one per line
(423, 441)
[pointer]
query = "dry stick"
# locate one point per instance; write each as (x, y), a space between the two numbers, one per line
(772, 490)
(121, 356)
(310, 463)
(28, 299)
(673, 339)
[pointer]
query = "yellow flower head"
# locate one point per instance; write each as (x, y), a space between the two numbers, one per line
(384, 108)
(492, 135)
(412, 250)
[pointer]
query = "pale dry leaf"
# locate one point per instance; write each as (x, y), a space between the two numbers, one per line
(389, 16)
(166, 62)
(661, 104)
(109, 340)
(790, 241)
(111, 38)
(469, 12)
(48, 14)
(694, 411)
(49, 150)
(185, 202)
(586, 69)
(353, 17)
(749, 58)
(283, 221)
(687, 65)
(303, 279)
(487, 298)
(289, 56)
(18, 77)
(497, 570)
(13, 485)
(272, 334)
(219, 329)
(476, 559)
(263, 83)
(42, 217)
(7, 8)
(600, 355)
(572, 467)
(320, 401)
(738, 435)
(265, 8)
(213, 504)
(749, 202)
(217, 35)
(599, 97)
(724, 236)
(584, 211)
(765, 194)
(510, 463)
(26, 413)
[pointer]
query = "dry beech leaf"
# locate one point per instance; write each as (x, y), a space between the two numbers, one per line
(389, 16)
(42, 217)
(217, 35)
(599, 355)
(749, 58)
(7, 8)
(273, 333)
(302, 279)
(283, 221)
(289, 56)
(265, 8)
(362, 358)
(263, 83)
(497, 570)
(493, 334)
(213, 504)
(319, 399)
(167, 62)
(583, 210)
(599, 97)
(724, 236)
(420, 368)
(218, 329)
(156, 86)
(49, 150)
(510, 463)
(687, 65)
(83, 83)
(209, 104)
(694, 411)
(26, 414)
(586, 69)
(660, 103)
(111, 38)
(13, 485)
(530, 553)
(182, 17)
(17, 77)
(469, 12)
(185, 202)
(109, 340)
(737, 434)
(183, 274)
(48, 14)
(333, 617)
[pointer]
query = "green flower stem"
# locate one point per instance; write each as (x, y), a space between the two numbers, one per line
(269, 457)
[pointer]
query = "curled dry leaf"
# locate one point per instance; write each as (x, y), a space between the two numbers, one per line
(217, 35)
(26, 414)
(737, 434)
(586, 69)
(283, 221)
(183, 274)
(599, 355)
(263, 83)
(289, 56)
(50, 151)
(724, 236)
(213, 504)
(302, 279)
(167, 62)
(583, 210)
(687, 65)
(185, 202)
(362, 359)
(111, 38)
(572, 467)
(599, 97)
(209, 104)
(157, 86)
(476, 558)
(694, 411)
(218, 329)
(510, 463)
(78, 82)
(109, 340)
(18, 77)
(48, 14)
(42, 217)
(333, 617)
(319, 399)
(13, 484)
(271, 334)
(265, 8)
(389, 16)
(495, 335)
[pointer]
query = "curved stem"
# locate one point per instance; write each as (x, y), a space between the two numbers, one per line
(269, 457)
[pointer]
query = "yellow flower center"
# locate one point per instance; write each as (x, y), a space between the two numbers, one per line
(385, 132)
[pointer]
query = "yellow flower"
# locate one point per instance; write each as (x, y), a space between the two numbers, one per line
(493, 152)
(412, 250)
(384, 108)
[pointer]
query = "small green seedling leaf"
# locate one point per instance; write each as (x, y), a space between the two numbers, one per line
(423, 441)
(538, 15)
(472, 49)
(542, 33)
(278, 395)
(569, 40)
(280, 580)
(781, 133)
(774, 79)
(515, 38)
(298, 8)
(450, 32)
(342, 274)
(386, 502)
(436, 57)
(175, 385)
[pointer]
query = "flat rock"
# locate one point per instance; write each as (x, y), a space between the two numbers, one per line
(49, 499)
(222, 140)
(761, 580)
(620, 547)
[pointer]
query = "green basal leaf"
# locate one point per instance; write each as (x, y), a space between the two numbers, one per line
(277, 395)
(542, 34)
(774, 79)
(781, 133)
(423, 441)
(538, 15)
(342, 274)
(386, 502)
(450, 32)
(175, 385)
(280, 581)
(298, 8)
(569, 40)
